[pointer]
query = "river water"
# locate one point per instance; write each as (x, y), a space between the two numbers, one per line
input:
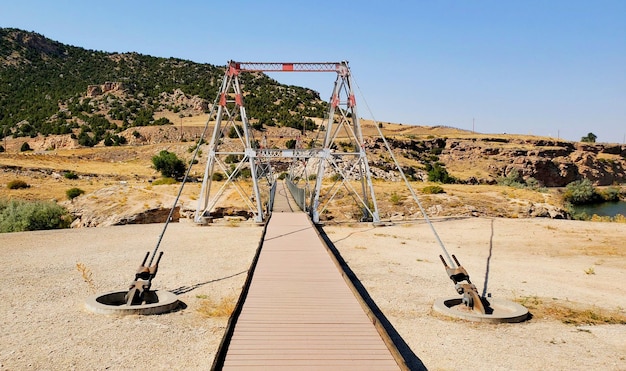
(603, 209)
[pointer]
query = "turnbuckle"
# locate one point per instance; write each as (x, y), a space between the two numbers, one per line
(139, 288)
(465, 287)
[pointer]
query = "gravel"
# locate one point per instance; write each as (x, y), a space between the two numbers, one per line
(45, 325)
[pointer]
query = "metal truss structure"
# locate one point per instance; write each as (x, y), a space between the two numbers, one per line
(342, 150)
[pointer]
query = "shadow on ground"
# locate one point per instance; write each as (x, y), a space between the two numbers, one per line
(185, 289)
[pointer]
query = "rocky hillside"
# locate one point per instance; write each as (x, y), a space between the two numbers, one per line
(483, 160)
(47, 87)
(552, 163)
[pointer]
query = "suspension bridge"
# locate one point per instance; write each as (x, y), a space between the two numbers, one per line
(297, 311)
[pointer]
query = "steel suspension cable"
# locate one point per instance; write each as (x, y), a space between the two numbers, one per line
(406, 181)
(182, 185)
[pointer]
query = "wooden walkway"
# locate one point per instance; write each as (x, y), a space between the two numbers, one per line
(299, 313)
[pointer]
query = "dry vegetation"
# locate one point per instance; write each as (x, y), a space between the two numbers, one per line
(571, 313)
(87, 276)
(210, 308)
(106, 167)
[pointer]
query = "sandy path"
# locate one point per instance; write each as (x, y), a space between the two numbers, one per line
(45, 326)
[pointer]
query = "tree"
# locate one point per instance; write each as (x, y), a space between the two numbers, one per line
(590, 138)
(85, 140)
(232, 131)
(291, 143)
(169, 165)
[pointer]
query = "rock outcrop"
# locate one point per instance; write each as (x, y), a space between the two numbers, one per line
(184, 102)
(119, 205)
(96, 90)
(552, 163)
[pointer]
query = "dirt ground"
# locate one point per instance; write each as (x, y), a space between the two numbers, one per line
(45, 325)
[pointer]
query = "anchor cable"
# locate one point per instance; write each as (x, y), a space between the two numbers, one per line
(182, 185)
(406, 181)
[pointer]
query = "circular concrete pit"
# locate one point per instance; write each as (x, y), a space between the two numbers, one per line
(157, 302)
(504, 311)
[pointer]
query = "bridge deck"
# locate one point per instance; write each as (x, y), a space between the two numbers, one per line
(299, 313)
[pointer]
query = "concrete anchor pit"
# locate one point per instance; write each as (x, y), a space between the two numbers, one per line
(500, 311)
(156, 302)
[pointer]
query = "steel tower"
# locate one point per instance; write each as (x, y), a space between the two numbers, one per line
(342, 151)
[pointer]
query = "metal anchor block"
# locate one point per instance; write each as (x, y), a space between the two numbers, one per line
(137, 292)
(465, 287)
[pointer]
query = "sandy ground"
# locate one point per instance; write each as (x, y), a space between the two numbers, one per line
(46, 327)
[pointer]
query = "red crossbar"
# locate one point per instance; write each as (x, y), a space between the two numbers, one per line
(286, 67)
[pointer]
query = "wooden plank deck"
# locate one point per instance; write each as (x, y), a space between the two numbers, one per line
(283, 201)
(299, 313)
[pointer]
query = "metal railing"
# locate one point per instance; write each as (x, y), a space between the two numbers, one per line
(297, 194)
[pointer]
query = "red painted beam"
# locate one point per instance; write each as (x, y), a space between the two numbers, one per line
(286, 67)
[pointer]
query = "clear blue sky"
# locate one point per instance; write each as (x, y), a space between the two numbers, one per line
(542, 67)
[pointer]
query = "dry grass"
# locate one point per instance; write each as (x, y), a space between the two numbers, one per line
(233, 222)
(87, 276)
(209, 308)
(102, 167)
(593, 249)
(426, 132)
(458, 200)
(571, 313)
(619, 218)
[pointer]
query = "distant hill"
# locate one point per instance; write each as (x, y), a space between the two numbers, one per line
(47, 87)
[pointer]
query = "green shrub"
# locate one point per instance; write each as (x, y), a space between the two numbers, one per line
(336, 177)
(436, 151)
(72, 193)
(232, 159)
(512, 179)
(578, 215)
(17, 184)
(17, 216)
(1, 148)
(433, 189)
(193, 148)
(245, 173)
(291, 143)
(169, 165)
(610, 194)
(312, 177)
(70, 175)
(232, 131)
(438, 173)
(25, 147)
(164, 180)
(395, 199)
(580, 192)
(162, 121)
(532, 183)
(282, 175)
(218, 177)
